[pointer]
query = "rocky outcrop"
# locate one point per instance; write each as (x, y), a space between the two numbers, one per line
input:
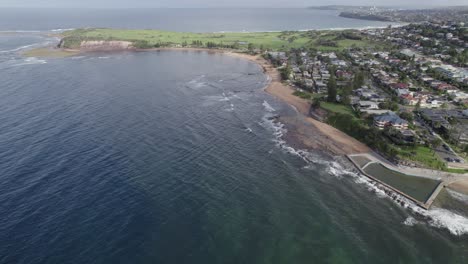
(105, 45)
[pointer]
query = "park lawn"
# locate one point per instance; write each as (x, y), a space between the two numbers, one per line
(303, 94)
(337, 108)
(344, 44)
(461, 171)
(421, 154)
(268, 40)
(272, 40)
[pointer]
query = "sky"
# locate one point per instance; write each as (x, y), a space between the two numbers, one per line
(217, 3)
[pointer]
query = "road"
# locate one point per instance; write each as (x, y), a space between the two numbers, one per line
(444, 151)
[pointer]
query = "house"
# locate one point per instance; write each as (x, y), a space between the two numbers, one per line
(433, 103)
(368, 105)
(390, 120)
(344, 74)
(320, 87)
(444, 87)
(407, 135)
(459, 96)
(396, 86)
(309, 83)
(402, 92)
(408, 99)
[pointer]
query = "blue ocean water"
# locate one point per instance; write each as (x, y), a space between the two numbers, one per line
(172, 157)
(180, 19)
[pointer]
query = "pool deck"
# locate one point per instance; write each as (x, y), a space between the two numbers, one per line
(445, 178)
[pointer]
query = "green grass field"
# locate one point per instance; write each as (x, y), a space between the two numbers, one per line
(423, 155)
(267, 40)
(337, 108)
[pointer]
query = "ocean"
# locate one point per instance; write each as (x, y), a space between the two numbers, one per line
(180, 19)
(174, 157)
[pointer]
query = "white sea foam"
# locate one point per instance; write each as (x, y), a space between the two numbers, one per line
(77, 57)
(30, 61)
(61, 29)
(436, 217)
(20, 31)
(197, 82)
(458, 196)
(442, 218)
(224, 98)
(19, 48)
(268, 107)
(410, 221)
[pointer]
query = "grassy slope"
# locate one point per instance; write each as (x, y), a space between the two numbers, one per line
(420, 154)
(269, 40)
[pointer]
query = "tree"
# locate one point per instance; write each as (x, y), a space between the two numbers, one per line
(331, 87)
(285, 72)
(407, 116)
(392, 152)
(262, 48)
(436, 142)
(418, 105)
(250, 47)
(358, 80)
(316, 102)
(346, 95)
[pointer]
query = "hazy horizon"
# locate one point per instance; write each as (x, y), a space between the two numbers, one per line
(216, 4)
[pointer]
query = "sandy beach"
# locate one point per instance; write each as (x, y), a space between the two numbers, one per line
(314, 134)
(304, 132)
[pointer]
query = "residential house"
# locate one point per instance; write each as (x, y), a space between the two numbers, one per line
(390, 120)
(368, 105)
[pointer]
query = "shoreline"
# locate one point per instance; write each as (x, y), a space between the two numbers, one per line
(304, 132)
(314, 134)
(308, 132)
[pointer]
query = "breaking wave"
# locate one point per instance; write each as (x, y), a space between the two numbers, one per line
(268, 107)
(410, 221)
(436, 217)
(458, 196)
(19, 48)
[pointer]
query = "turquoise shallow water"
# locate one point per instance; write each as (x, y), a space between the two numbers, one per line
(170, 157)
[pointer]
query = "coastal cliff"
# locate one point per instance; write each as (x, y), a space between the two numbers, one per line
(102, 45)
(97, 45)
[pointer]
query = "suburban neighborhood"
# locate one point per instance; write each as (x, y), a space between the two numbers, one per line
(411, 94)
